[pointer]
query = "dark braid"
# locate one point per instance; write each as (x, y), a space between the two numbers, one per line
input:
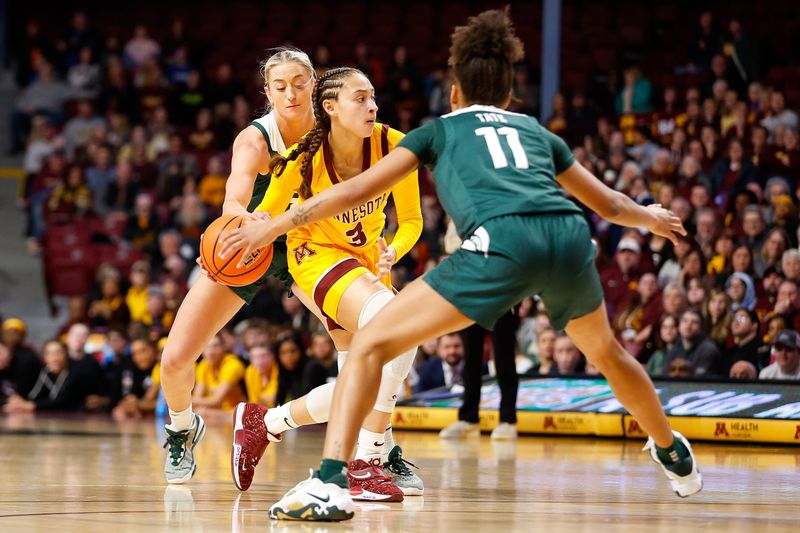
(327, 88)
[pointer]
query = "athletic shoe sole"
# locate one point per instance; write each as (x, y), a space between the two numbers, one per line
(236, 449)
(364, 495)
(308, 513)
(411, 491)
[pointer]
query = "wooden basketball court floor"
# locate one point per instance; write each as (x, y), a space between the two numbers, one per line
(94, 475)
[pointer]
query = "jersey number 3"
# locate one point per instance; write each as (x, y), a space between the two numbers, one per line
(499, 160)
(357, 235)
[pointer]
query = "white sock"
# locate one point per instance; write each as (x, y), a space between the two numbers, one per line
(388, 443)
(370, 447)
(181, 420)
(280, 419)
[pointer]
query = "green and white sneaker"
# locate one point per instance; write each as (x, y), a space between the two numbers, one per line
(180, 466)
(314, 500)
(402, 476)
(683, 475)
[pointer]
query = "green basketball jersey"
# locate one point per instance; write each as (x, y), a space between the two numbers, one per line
(488, 162)
(262, 180)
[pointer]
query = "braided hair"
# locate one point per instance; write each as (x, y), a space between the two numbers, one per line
(327, 88)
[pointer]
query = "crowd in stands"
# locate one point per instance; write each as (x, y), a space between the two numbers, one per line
(126, 145)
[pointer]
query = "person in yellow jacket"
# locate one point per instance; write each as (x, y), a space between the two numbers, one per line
(261, 376)
(218, 380)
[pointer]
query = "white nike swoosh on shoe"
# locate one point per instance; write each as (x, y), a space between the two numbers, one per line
(362, 476)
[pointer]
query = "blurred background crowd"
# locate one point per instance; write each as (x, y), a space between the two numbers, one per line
(125, 134)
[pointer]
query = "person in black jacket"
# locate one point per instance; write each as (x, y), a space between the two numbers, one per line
(56, 388)
(322, 366)
(19, 372)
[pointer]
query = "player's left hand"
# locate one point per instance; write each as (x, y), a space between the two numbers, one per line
(250, 237)
(665, 223)
(388, 256)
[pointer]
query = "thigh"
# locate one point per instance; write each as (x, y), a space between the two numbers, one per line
(341, 338)
(206, 309)
(418, 313)
(482, 287)
(351, 298)
(332, 276)
(573, 286)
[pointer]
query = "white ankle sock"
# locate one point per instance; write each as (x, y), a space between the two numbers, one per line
(280, 419)
(370, 447)
(388, 443)
(181, 420)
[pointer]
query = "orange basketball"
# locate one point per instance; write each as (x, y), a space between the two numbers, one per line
(225, 270)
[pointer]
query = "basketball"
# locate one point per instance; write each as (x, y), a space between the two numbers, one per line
(226, 270)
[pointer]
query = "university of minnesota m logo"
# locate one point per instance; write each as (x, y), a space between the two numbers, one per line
(302, 252)
(797, 433)
(634, 428)
(721, 430)
(549, 423)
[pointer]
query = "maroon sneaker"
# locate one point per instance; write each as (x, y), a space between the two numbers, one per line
(369, 482)
(250, 439)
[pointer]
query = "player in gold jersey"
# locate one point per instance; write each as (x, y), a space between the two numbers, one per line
(343, 265)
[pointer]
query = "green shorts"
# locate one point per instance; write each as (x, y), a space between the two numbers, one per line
(278, 268)
(515, 256)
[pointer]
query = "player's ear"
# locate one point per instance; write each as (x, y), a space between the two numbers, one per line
(455, 97)
(507, 101)
(329, 107)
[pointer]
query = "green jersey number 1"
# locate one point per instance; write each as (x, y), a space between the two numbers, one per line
(492, 137)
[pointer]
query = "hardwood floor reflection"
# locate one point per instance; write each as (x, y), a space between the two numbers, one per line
(95, 475)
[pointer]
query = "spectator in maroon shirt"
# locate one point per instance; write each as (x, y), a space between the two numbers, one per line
(767, 291)
(788, 157)
(706, 229)
(690, 173)
(634, 323)
(619, 277)
(754, 227)
(787, 303)
(732, 173)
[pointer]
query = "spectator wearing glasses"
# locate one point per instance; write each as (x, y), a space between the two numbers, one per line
(748, 345)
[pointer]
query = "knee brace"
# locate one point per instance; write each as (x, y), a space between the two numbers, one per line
(393, 375)
(373, 305)
(395, 371)
(318, 402)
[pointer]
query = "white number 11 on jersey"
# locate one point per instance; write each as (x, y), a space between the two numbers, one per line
(499, 159)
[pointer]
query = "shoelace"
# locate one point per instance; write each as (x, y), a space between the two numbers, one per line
(397, 465)
(177, 444)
